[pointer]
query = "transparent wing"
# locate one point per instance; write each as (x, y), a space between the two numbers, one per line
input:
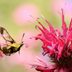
(4, 33)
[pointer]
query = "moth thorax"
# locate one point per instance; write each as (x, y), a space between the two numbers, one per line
(16, 45)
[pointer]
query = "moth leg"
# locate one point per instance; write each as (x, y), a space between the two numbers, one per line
(22, 37)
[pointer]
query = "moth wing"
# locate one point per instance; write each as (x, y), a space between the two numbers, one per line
(4, 33)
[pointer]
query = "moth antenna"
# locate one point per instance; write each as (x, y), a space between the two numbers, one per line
(22, 37)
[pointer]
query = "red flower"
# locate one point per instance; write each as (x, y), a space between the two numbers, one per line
(57, 45)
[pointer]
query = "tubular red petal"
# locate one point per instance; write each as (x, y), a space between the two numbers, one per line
(43, 69)
(70, 27)
(64, 26)
(42, 25)
(50, 26)
(43, 40)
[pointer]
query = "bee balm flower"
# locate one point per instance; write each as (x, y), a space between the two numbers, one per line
(57, 45)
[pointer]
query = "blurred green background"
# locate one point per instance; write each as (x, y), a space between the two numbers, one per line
(9, 21)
